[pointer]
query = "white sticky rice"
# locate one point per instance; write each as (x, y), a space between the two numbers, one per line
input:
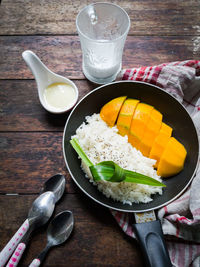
(102, 143)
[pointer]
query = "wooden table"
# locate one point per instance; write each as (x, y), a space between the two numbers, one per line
(31, 138)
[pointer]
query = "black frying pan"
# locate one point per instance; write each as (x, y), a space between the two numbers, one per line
(174, 114)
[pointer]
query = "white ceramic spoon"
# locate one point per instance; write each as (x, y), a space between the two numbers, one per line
(44, 77)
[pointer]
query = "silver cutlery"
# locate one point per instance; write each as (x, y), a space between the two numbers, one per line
(55, 184)
(39, 214)
(58, 232)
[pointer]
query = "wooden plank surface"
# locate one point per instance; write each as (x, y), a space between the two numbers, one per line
(20, 108)
(31, 138)
(148, 17)
(96, 240)
(62, 54)
(29, 159)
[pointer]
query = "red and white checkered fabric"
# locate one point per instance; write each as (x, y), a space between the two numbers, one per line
(181, 218)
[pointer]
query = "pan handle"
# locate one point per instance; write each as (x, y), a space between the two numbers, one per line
(151, 238)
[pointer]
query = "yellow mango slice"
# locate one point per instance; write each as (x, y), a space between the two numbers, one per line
(166, 129)
(160, 143)
(150, 132)
(158, 147)
(172, 159)
(125, 115)
(146, 132)
(109, 112)
(138, 123)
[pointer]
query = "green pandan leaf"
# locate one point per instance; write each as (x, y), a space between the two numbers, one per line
(138, 178)
(111, 172)
(107, 170)
(75, 144)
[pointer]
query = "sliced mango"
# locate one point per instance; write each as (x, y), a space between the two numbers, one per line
(160, 143)
(125, 116)
(146, 132)
(138, 124)
(158, 147)
(172, 159)
(166, 129)
(109, 112)
(150, 132)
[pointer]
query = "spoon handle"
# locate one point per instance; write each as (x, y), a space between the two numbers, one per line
(39, 70)
(36, 262)
(16, 256)
(9, 248)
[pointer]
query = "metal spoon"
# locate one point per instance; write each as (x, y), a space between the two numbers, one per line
(58, 232)
(40, 212)
(55, 184)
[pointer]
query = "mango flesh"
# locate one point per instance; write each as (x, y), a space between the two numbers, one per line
(125, 116)
(110, 111)
(172, 159)
(158, 148)
(150, 132)
(138, 124)
(146, 131)
(160, 143)
(166, 129)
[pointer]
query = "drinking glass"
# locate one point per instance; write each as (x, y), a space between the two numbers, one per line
(102, 28)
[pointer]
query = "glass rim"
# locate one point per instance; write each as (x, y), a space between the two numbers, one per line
(103, 41)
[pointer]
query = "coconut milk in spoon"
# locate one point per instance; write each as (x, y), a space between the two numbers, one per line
(57, 94)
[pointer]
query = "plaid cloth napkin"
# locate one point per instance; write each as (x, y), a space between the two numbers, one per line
(180, 219)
